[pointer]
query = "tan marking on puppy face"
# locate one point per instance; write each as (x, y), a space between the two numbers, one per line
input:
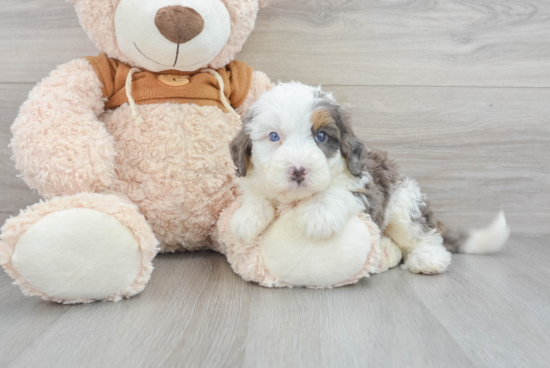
(341, 132)
(321, 119)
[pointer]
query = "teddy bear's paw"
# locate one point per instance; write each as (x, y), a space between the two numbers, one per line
(427, 260)
(249, 222)
(79, 254)
(291, 257)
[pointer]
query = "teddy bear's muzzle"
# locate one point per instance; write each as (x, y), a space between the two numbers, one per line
(179, 24)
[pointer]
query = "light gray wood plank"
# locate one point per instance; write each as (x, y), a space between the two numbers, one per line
(493, 306)
(38, 35)
(474, 151)
(22, 319)
(426, 42)
(375, 323)
(442, 42)
(531, 254)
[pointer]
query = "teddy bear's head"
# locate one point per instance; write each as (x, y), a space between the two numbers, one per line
(159, 35)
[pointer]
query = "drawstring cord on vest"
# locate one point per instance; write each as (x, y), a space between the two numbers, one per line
(139, 119)
(137, 116)
(222, 94)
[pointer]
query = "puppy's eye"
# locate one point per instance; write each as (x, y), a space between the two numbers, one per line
(321, 137)
(274, 137)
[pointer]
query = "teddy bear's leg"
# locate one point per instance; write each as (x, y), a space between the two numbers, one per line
(80, 248)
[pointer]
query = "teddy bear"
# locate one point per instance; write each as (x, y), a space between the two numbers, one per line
(130, 151)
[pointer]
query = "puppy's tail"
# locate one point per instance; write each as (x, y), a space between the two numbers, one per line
(490, 239)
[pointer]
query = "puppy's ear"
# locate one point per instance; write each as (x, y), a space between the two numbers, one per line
(351, 147)
(354, 150)
(241, 150)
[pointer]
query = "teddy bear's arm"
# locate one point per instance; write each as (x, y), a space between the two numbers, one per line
(260, 84)
(59, 144)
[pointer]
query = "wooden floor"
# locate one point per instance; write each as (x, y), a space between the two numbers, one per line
(457, 90)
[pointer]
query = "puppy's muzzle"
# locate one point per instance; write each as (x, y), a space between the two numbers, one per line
(297, 174)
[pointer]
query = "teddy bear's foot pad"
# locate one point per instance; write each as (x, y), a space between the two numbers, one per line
(77, 254)
(293, 258)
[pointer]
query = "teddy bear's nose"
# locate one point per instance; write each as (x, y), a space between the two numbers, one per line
(179, 24)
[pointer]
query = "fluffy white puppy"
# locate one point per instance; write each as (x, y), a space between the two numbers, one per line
(298, 148)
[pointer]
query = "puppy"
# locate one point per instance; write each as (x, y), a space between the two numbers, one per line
(297, 147)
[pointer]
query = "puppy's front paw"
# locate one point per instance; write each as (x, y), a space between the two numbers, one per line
(318, 224)
(248, 222)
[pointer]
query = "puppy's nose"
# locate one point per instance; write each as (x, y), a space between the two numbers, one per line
(179, 24)
(297, 174)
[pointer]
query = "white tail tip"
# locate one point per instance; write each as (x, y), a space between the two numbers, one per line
(488, 240)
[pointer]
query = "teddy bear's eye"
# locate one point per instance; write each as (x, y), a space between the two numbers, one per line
(321, 137)
(274, 137)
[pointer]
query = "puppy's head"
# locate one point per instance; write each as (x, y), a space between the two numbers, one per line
(296, 138)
